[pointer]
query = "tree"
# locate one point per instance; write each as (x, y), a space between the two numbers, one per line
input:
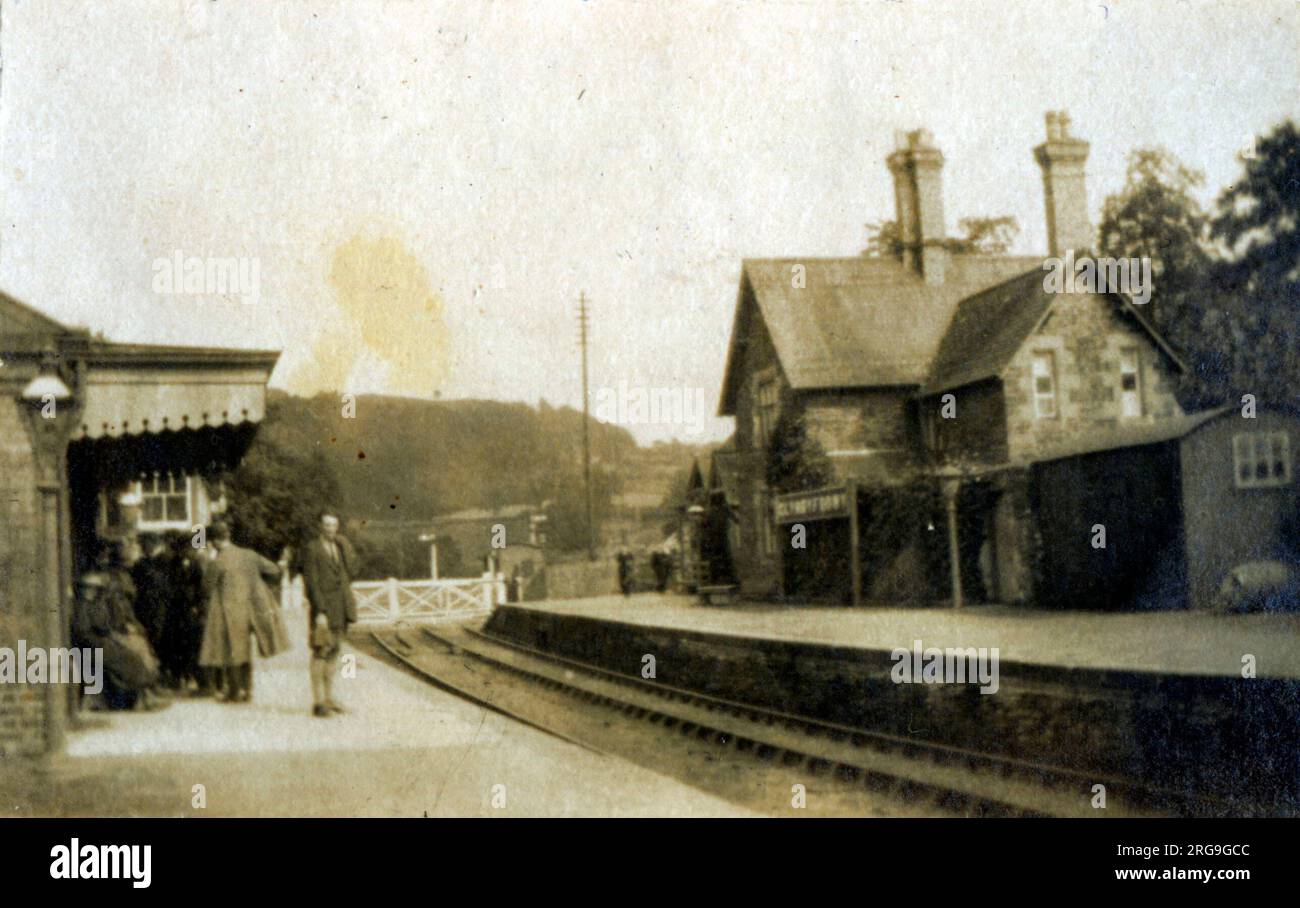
(1258, 217)
(884, 240)
(985, 236)
(1255, 283)
(980, 235)
(379, 557)
(566, 516)
(451, 560)
(275, 496)
(1156, 216)
(1226, 284)
(795, 460)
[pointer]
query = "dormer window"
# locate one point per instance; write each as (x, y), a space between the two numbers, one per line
(1044, 374)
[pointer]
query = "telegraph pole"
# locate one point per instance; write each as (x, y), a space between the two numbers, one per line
(586, 440)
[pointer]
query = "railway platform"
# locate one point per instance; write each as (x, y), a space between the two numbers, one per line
(1162, 697)
(1171, 643)
(403, 749)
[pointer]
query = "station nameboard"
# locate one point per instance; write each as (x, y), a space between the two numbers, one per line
(818, 504)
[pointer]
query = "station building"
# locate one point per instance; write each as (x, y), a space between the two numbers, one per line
(976, 427)
(482, 536)
(100, 441)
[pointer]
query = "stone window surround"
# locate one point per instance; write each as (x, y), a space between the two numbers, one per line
(1049, 356)
(1068, 381)
(1139, 386)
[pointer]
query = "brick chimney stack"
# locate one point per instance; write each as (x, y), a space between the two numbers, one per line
(917, 166)
(1062, 158)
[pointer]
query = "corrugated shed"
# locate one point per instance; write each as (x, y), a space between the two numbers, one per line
(1128, 435)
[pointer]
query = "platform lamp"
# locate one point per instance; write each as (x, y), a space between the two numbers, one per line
(693, 559)
(43, 397)
(50, 406)
(45, 389)
(47, 398)
(432, 540)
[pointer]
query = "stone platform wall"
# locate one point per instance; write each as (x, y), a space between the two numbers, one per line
(1231, 737)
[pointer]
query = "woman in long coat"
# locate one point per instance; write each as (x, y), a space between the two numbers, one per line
(239, 607)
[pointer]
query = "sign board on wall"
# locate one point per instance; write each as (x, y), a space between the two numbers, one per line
(818, 504)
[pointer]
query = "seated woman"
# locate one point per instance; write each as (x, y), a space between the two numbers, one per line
(103, 618)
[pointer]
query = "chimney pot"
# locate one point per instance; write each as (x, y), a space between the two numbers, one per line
(1062, 158)
(917, 168)
(1053, 125)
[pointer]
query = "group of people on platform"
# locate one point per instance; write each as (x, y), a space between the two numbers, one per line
(661, 565)
(172, 616)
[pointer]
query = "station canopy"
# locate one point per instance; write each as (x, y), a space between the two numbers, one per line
(135, 389)
(124, 390)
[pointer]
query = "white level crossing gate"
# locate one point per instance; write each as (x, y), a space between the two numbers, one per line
(418, 600)
(424, 600)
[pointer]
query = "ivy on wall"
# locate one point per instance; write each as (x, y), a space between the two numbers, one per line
(796, 462)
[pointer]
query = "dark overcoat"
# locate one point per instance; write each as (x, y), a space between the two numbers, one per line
(152, 576)
(239, 605)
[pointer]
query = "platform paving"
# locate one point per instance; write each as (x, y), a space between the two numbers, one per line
(404, 749)
(1184, 643)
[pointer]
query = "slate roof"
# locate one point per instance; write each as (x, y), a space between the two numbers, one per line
(135, 389)
(18, 318)
(871, 322)
(857, 322)
(1130, 435)
(990, 326)
(25, 328)
(986, 331)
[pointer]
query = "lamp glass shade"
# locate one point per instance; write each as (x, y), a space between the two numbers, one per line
(46, 386)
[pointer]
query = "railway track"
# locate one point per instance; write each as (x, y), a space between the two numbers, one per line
(954, 779)
(402, 650)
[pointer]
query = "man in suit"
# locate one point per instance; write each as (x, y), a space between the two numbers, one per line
(625, 566)
(239, 607)
(662, 565)
(328, 566)
(183, 630)
(152, 576)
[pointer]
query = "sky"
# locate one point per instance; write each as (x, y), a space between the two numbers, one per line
(418, 192)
